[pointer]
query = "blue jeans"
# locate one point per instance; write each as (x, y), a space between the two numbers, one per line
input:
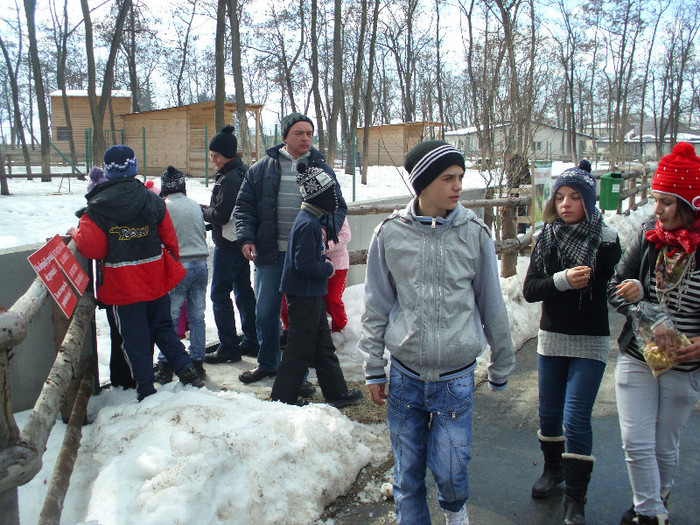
(193, 288)
(431, 426)
(568, 388)
(267, 313)
(231, 272)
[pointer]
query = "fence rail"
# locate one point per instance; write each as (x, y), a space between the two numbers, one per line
(21, 453)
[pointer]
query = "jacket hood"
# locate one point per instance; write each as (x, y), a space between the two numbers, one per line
(456, 217)
(121, 199)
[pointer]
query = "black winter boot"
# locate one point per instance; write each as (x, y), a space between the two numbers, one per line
(189, 377)
(553, 473)
(164, 374)
(577, 474)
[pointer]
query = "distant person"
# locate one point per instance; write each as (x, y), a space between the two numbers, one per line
(128, 230)
(304, 283)
(188, 222)
(573, 259)
(660, 267)
(432, 299)
(231, 270)
(338, 254)
(266, 208)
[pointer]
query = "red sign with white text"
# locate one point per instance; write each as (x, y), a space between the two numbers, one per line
(68, 263)
(46, 265)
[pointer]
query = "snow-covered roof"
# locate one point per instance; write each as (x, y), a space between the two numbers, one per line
(84, 93)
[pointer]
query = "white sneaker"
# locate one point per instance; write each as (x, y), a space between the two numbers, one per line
(457, 518)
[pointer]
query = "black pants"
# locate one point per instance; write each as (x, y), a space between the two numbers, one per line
(309, 344)
(119, 371)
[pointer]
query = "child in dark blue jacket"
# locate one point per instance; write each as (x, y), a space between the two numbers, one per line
(304, 283)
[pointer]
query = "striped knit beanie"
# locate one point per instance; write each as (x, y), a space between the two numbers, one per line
(429, 159)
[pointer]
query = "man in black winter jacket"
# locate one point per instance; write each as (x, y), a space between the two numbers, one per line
(267, 205)
(231, 271)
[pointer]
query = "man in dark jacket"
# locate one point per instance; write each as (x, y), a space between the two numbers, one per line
(231, 271)
(267, 205)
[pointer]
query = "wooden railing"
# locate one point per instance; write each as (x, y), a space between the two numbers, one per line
(21, 453)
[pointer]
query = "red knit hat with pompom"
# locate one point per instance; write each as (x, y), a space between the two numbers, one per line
(678, 174)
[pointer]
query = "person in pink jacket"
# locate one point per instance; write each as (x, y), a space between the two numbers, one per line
(338, 254)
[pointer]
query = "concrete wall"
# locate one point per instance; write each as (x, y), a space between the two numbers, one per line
(362, 227)
(31, 360)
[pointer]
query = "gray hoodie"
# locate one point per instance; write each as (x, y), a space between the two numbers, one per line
(433, 298)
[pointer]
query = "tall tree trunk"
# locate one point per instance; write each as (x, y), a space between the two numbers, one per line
(438, 70)
(18, 127)
(220, 87)
(29, 9)
(243, 134)
(62, 45)
(97, 111)
(315, 90)
(337, 82)
(357, 84)
(368, 94)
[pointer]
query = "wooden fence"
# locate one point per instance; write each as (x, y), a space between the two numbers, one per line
(69, 383)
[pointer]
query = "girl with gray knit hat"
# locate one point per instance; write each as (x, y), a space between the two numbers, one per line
(573, 259)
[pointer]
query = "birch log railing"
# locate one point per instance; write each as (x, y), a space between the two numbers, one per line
(21, 453)
(510, 245)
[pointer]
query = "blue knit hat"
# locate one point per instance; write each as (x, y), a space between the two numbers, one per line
(120, 161)
(580, 180)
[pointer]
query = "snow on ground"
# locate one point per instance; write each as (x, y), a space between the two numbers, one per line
(220, 455)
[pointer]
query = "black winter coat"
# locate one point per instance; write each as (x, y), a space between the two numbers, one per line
(573, 312)
(223, 198)
(256, 207)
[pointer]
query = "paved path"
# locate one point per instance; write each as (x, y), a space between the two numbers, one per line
(506, 460)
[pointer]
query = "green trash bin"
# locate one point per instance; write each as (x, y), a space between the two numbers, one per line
(610, 187)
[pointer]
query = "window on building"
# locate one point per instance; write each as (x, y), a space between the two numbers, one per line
(62, 134)
(537, 145)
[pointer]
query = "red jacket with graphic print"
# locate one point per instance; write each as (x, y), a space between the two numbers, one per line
(128, 230)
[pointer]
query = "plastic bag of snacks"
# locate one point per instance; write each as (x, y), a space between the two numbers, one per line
(646, 317)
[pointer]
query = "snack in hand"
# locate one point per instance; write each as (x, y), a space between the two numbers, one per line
(658, 360)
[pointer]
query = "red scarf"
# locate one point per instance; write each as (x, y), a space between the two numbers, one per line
(684, 237)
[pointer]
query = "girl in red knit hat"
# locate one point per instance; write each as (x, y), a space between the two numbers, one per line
(661, 266)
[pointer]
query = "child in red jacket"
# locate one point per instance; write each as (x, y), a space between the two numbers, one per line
(128, 230)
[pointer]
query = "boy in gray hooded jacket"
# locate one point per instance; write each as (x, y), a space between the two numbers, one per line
(433, 299)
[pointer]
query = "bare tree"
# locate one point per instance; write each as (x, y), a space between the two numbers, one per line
(12, 71)
(220, 84)
(235, 14)
(97, 111)
(335, 101)
(369, 90)
(29, 11)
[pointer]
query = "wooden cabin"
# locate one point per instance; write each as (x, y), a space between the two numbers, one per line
(180, 136)
(389, 143)
(176, 136)
(81, 120)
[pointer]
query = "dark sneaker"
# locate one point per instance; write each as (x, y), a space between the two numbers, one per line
(250, 352)
(256, 374)
(163, 374)
(222, 356)
(199, 368)
(189, 377)
(350, 398)
(307, 389)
